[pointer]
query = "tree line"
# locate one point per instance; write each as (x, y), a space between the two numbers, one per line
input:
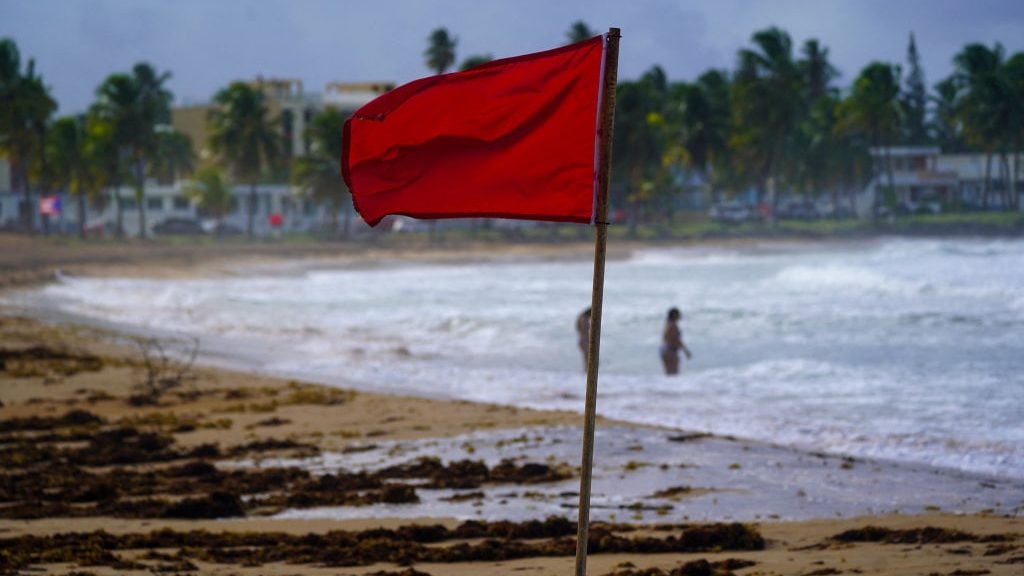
(126, 138)
(776, 123)
(779, 123)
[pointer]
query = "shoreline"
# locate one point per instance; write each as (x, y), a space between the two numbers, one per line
(27, 261)
(243, 411)
(255, 356)
(326, 420)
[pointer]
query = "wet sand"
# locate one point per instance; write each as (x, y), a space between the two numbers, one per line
(286, 477)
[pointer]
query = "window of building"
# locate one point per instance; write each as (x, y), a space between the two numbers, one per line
(154, 203)
(180, 203)
(129, 203)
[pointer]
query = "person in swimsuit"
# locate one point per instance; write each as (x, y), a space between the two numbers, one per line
(583, 333)
(672, 343)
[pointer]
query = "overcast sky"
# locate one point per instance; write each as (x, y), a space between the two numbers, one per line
(206, 44)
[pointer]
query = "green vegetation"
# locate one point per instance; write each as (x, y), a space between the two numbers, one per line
(318, 174)
(777, 124)
(244, 138)
(133, 106)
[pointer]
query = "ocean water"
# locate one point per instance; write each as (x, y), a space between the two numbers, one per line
(905, 350)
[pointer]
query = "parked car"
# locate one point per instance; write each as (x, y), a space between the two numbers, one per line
(797, 210)
(184, 226)
(730, 213)
(221, 228)
(906, 208)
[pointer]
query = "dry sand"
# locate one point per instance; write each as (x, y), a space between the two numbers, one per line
(49, 370)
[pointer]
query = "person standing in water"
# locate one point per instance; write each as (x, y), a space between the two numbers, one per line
(672, 343)
(583, 333)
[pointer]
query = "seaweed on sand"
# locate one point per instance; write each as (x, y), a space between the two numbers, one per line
(72, 418)
(467, 474)
(402, 546)
(45, 361)
(693, 568)
(926, 535)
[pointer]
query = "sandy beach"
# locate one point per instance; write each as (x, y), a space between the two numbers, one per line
(119, 457)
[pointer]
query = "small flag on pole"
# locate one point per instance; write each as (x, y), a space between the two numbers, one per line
(512, 138)
(49, 206)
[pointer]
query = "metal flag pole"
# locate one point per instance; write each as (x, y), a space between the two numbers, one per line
(611, 64)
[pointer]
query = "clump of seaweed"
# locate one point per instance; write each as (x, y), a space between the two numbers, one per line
(926, 535)
(72, 418)
(693, 568)
(271, 444)
(469, 474)
(44, 361)
(215, 505)
(471, 541)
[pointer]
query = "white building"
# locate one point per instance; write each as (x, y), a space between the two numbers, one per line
(971, 170)
(287, 102)
(297, 212)
(925, 179)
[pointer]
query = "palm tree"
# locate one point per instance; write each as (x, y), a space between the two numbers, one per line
(245, 138)
(640, 135)
(818, 73)
(174, 156)
(873, 109)
(767, 106)
(945, 126)
(210, 193)
(135, 104)
(984, 105)
(70, 165)
(808, 166)
(25, 109)
(318, 174)
(440, 52)
(115, 117)
(104, 154)
(579, 31)
(834, 159)
(1014, 71)
(702, 120)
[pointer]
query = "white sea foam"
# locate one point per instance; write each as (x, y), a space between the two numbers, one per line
(902, 349)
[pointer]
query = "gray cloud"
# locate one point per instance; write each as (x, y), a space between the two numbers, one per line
(207, 44)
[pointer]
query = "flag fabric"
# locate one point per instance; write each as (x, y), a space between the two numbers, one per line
(512, 138)
(49, 206)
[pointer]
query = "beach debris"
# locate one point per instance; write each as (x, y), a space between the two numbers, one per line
(71, 418)
(46, 362)
(693, 568)
(405, 545)
(166, 365)
(924, 535)
(673, 492)
(81, 465)
(690, 437)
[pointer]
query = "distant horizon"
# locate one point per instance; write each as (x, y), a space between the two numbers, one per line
(206, 46)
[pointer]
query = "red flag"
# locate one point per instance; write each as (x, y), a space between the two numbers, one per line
(513, 138)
